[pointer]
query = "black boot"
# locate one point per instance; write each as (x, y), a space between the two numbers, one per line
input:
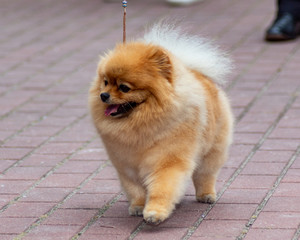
(285, 27)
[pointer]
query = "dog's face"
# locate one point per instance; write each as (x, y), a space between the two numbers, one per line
(132, 75)
(119, 94)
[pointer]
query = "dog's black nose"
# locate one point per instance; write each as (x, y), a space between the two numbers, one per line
(104, 96)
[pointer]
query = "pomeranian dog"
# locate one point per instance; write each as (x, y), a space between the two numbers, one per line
(163, 118)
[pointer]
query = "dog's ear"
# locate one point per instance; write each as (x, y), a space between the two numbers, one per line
(158, 58)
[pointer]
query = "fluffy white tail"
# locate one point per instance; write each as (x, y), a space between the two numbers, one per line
(195, 52)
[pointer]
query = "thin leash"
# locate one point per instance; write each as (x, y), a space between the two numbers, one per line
(124, 3)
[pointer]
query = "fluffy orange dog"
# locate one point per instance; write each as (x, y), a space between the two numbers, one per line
(162, 118)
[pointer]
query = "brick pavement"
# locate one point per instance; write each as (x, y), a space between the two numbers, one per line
(56, 181)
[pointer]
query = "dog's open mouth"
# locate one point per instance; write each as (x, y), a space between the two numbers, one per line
(119, 109)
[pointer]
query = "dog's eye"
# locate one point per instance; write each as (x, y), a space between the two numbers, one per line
(124, 88)
(105, 82)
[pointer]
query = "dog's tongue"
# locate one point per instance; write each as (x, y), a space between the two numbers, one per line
(111, 109)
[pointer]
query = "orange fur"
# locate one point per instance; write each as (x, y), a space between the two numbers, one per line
(180, 126)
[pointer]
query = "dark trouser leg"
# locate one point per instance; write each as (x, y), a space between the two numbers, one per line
(289, 6)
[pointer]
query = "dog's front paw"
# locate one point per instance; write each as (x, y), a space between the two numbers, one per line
(155, 217)
(135, 210)
(207, 198)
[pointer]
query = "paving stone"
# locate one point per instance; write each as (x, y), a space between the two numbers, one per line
(4, 134)
(42, 160)
(251, 127)
(254, 196)
(13, 153)
(6, 198)
(272, 156)
(8, 236)
(257, 168)
(231, 212)
(27, 173)
(273, 220)
(14, 186)
(283, 204)
(288, 189)
(27, 210)
(108, 172)
(113, 226)
(177, 220)
(5, 164)
(79, 167)
(278, 144)
(253, 182)
(153, 233)
(41, 108)
(88, 200)
(208, 238)
(270, 234)
(91, 154)
(46, 195)
(118, 210)
(23, 142)
(57, 121)
(71, 217)
(296, 164)
(63, 180)
(292, 176)
(225, 173)
(264, 117)
(9, 225)
(190, 207)
(58, 148)
(48, 57)
(237, 154)
(36, 131)
(247, 138)
(101, 186)
(219, 229)
(49, 232)
(285, 133)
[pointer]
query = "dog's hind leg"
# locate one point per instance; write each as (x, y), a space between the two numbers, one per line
(205, 175)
